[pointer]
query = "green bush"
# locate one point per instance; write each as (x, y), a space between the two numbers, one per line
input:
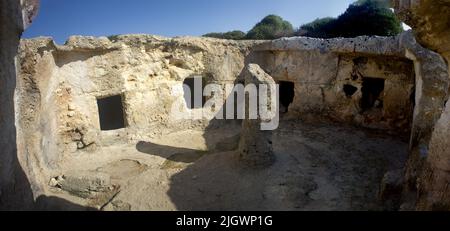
(364, 17)
(271, 27)
(319, 28)
(234, 35)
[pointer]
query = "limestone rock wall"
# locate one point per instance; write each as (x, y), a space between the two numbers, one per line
(430, 18)
(55, 113)
(414, 97)
(321, 81)
(15, 191)
(411, 101)
(58, 88)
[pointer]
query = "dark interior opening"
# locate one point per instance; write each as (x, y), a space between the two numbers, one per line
(189, 83)
(287, 93)
(412, 97)
(350, 90)
(111, 114)
(371, 92)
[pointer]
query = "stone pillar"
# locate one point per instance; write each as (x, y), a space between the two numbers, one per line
(429, 19)
(432, 84)
(255, 147)
(434, 184)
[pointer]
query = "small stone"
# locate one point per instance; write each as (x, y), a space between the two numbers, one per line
(71, 107)
(80, 145)
(72, 147)
(71, 114)
(53, 182)
(76, 136)
(89, 137)
(85, 184)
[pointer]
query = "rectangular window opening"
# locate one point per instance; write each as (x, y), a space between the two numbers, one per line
(111, 113)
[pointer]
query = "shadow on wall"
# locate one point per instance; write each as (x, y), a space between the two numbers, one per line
(214, 140)
(213, 176)
(208, 183)
(15, 188)
(62, 58)
(221, 182)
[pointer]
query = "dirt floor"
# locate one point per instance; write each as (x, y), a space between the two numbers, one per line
(318, 167)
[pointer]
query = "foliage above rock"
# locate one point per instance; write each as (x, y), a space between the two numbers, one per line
(234, 35)
(318, 28)
(364, 17)
(271, 27)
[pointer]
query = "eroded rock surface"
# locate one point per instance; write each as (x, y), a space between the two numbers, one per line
(429, 18)
(15, 189)
(57, 116)
(255, 147)
(383, 84)
(430, 22)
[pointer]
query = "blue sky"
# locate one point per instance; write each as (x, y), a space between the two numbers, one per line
(62, 18)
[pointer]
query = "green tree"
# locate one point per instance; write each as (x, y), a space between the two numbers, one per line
(271, 27)
(318, 28)
(364, 17)
(233, 35)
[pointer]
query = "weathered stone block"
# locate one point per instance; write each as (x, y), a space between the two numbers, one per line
(83, 184)
(255, 147)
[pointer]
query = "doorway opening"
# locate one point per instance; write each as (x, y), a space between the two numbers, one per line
(111, 113)
(372, 89)
(287, 94)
